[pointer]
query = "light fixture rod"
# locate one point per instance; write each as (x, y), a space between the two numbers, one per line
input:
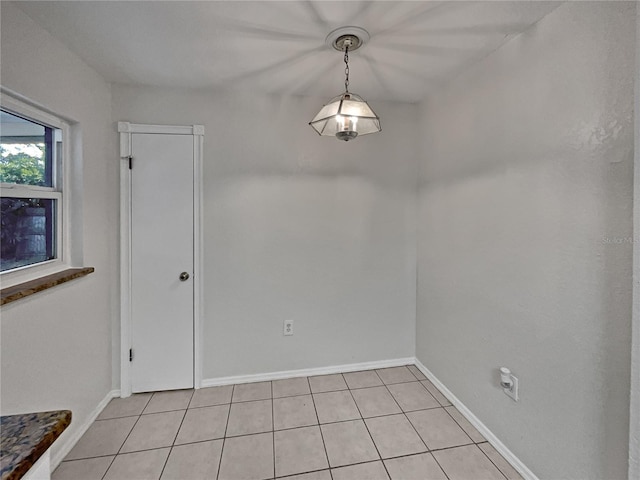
(346, 67)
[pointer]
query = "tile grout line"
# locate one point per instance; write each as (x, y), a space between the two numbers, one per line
(494, 463)
(406, 417)
(429, 451)
(431, 395)
(176, 435)
(308, 472)
(369, 432)
(191, 399)
(263, 433)
(128, 435)
(449, 404)
(105, 472)
(289, 429)
(126, 438)
(461, 427)
(273, 432)
(411, 371)
(367, 428)
(224, 437)
(438, 463)
(324, 445)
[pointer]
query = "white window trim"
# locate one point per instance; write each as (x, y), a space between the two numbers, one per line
(62, 181)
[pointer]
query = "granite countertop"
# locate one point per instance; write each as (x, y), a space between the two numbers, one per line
(25, 437)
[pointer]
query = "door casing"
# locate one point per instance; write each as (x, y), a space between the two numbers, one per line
(125, 130)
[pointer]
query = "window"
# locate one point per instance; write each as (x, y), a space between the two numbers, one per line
(31, 154)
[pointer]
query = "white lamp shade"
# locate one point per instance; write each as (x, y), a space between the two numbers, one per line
(346, 113)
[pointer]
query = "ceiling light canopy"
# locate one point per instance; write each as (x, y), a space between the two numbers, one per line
(347, 115)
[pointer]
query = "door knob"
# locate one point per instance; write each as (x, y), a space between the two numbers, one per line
(184, 276)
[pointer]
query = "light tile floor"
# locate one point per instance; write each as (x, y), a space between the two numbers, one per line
(390, 423)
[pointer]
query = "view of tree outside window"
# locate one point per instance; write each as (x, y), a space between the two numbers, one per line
(22, 163)
(27, 214)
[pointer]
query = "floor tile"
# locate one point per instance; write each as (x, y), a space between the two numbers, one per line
(348, 443)
(89, 469)
(247, 392)
(247, 458)
(364, 379)
(167, 401)
(395, 375)
(299, 450)
(335, 406)
(207, 397)
(250, 417)
(206, 423)
(463, 463)
(416, 372)
(104, 437)
(125, 407)
(293, 412)
(145, 465)
(154, 431)
(415, 467)
(375, 401)
(436, 393)
(412, 396)
(195, 461)
(327, 383)
(290, 387)
(363, 471)
(143, 427)
(394, 436)
(470, 430)
(320, 475)
(438, 429)
(498, 460)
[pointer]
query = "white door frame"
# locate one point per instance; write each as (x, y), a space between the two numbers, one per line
(126, 129)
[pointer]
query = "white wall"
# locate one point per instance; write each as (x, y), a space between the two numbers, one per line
(56, 349)
(525, 216)
(634, 414)
(297, 227)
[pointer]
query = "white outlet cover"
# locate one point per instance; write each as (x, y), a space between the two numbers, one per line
(288, 327)
(513, 392)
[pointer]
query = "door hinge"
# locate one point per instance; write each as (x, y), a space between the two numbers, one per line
(130, 162)
(131, 354)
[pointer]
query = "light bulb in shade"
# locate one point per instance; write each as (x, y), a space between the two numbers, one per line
(346, 127)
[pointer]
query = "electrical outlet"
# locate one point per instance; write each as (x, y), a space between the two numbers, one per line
(513, 391)
(288, 327)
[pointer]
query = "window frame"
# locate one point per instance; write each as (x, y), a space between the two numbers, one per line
(60, 182)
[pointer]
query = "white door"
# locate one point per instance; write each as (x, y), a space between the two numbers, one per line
(162, 260)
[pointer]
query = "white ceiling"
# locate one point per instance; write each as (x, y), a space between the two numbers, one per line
(279, 46)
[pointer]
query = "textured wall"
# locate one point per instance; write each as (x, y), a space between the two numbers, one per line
(634, 423)
(297, 227)
(525, 220)
(56, 345)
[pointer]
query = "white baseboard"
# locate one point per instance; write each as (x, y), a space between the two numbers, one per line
(481, 427)
(306, 372)
(70, 442)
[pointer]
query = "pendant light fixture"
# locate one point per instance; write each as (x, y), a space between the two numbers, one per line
(347, 115)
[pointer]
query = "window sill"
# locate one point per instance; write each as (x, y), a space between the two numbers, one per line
(21, 290)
